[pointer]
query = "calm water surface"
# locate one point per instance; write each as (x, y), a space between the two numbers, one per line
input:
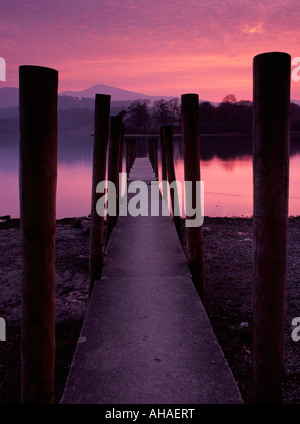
(226, 169)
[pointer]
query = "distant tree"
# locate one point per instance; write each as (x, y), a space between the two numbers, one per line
(174, 108)
(161, 112)
(207, 117)
(246, 103)
(122, 113)
(139, 115)
(230, 98)
(166, 112)
(295, 116)
(206, 110)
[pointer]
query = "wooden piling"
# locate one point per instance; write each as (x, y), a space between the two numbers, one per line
(121, 159)
(164, 175)
(113, 168)
(156, 157)
(191, 142)
(271, 97)
(168, 144)
(130, 153)
(164, 172)
(152, 149)
(38, 180)
(101, 132)
(121, 149)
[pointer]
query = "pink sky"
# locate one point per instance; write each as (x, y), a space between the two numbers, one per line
(157, 47)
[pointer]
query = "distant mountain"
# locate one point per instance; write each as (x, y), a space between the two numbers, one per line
(117, 94)
(9, 96)
(296, 101)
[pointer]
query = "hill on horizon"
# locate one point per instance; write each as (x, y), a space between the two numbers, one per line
(117, 94)
(9, 96)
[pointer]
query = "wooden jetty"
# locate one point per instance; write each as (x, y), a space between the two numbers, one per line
(146, 338)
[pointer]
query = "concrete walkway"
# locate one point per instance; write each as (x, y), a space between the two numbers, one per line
(146, 338)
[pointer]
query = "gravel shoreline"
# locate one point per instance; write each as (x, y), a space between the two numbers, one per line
(228, 273)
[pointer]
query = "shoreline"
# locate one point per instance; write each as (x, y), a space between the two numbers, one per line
(228, 275)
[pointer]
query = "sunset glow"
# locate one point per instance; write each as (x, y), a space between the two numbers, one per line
(153, 47)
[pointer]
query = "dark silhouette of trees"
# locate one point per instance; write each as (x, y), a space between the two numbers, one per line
(161, 112)
(174, 108)
(207, 118)
(230, 98)
(138, 117)
(295, 117)
(166, 112)
(233, 115)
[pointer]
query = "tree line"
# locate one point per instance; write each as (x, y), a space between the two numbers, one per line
(229, 116)
(142, 116)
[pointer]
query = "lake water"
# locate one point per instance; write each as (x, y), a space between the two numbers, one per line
(226, 169)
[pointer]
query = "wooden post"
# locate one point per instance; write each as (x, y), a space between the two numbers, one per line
(168, 144)
(271, 97)
(128, 148)
(133, 153)
(150, 151)
(38, 179)
(113, 167)
(121, 149)
(101, 131)
(191, 143)
(130, 153)
(164, 174)
(154, 158)
(121, 159)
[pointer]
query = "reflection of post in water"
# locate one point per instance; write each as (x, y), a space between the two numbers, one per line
(271, 98)
(191, 143)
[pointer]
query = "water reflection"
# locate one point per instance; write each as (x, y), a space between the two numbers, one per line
(226, 169)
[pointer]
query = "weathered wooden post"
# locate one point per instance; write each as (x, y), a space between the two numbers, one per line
(191, 142)
(154, 156)
(271, 97)
(101, 132)
(150, 151)
(121, 149)
(133, 152)
(38, 179)
(128, 148)
(168, 144)
(121, 159)
(113, 168)
(130, 153)
(164, 173)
